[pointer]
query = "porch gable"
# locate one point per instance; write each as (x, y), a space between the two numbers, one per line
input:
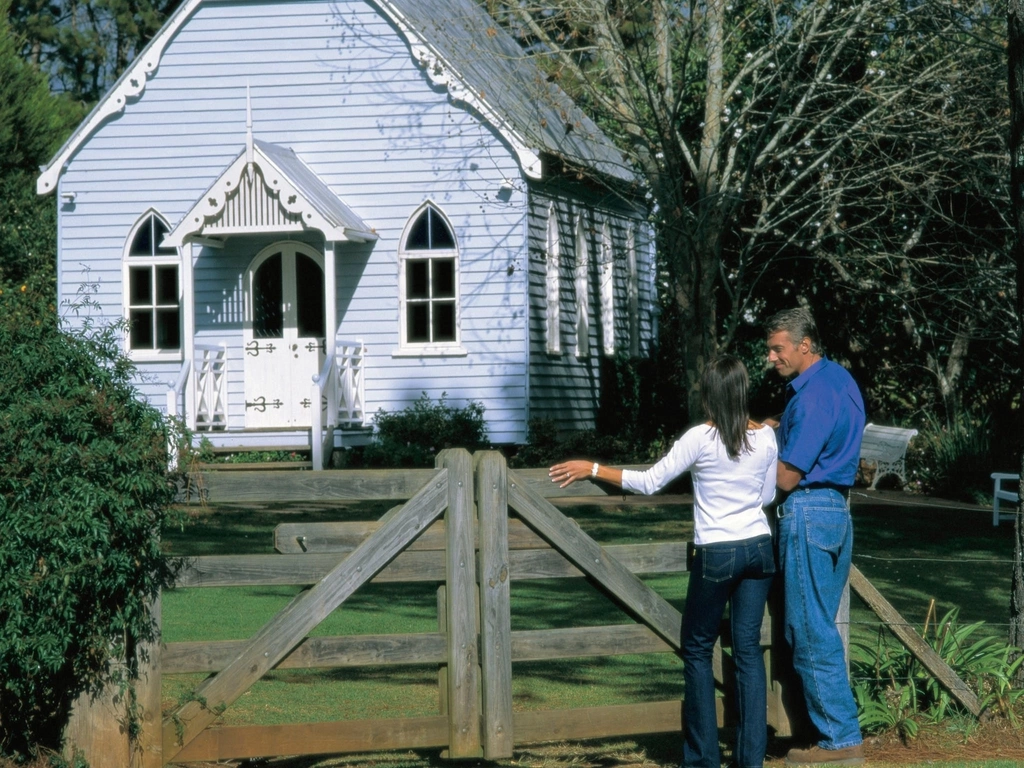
(267, 188)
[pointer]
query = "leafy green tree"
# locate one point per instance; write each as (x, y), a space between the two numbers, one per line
(754, 124)
(83, 493)
(33, 124)
(913, 239)
(85, 45)
(1015, 72)
(82, 461)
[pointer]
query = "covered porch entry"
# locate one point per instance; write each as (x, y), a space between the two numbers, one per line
(263, 364)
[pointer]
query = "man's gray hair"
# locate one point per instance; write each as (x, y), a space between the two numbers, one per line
(799, 324)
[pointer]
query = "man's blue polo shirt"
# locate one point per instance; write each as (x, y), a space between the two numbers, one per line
(822, 426)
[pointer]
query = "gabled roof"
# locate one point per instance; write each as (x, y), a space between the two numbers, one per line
(267, 188)
(462, 49)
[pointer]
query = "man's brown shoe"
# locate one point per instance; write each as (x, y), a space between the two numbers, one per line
(814, 756)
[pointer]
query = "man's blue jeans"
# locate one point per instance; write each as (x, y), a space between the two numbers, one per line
(815, 547)
(738, 573)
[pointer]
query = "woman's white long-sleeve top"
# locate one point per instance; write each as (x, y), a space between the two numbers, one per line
(729, 495)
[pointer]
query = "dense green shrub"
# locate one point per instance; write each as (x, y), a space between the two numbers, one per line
(546, 447)
(83, 492)
(894, 690)
(414, 436)
(954, 461)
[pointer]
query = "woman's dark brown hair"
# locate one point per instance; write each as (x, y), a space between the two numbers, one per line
(723, 393)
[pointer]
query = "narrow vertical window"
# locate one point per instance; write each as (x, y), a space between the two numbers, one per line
(554, 294)
(429, 282)
(152, 291)
(582, 290)
(606, 264)
(633, 293)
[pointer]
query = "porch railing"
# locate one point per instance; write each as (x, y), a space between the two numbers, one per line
(340, 382)
(174, 397)
(210, 365)
(175, 408)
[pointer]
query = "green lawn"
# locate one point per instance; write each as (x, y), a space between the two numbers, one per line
(310, 696)
(912, 553)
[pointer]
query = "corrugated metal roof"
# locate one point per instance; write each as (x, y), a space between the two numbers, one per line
(311, 187)
(490, 62)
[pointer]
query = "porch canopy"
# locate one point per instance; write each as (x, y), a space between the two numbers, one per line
(267, 188)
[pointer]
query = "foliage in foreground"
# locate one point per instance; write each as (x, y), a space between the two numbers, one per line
(82, 492)
(546, 446)
(955, 460)
(414, 436)
(894, 690)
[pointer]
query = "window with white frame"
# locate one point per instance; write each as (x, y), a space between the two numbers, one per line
(633, 293)
(606, 266)
(152, 291)
(552, 256)
(429, 267)
(582, 289)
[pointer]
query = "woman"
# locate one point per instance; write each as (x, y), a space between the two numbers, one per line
(732, 460)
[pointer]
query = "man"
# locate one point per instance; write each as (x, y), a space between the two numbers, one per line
(819, 449)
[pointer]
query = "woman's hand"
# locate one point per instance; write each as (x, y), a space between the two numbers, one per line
(568, 472)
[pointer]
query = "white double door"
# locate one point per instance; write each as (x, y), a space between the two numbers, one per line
(284, 337)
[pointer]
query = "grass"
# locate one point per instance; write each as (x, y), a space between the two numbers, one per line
(320, 696)
(912, 553)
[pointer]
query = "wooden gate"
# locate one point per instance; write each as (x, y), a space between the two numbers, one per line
(474, 553)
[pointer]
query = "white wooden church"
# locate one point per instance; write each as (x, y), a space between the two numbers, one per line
(308, 210)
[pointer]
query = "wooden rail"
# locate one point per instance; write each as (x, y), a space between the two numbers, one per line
(474, 554)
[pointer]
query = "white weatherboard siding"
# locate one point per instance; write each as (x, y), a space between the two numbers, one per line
(335, 83)
(564, 387)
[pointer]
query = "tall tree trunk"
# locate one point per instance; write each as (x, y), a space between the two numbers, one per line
(702, 317)
(1015, 49)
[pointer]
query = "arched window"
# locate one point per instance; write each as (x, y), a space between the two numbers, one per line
(429, 280)
(152, 291)
(552, 250)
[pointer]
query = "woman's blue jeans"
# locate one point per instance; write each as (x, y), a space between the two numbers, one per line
(738, 573)
(815, 547)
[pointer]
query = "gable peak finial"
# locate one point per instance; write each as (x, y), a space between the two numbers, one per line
(248, 134)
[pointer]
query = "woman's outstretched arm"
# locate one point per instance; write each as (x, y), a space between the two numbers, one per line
(568, 472)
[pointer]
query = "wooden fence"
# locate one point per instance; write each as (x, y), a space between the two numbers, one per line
(471, 525)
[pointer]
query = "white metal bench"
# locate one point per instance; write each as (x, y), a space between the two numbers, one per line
(1003, 494)
(886, 449)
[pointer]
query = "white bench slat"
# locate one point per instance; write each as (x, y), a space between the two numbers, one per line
(886, 448)
(1000, 494)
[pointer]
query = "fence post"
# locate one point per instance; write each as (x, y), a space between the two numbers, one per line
(495, 608)
(463, 634)
(147, 750)
(99, 725)
(97, 730)
(442, 669)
